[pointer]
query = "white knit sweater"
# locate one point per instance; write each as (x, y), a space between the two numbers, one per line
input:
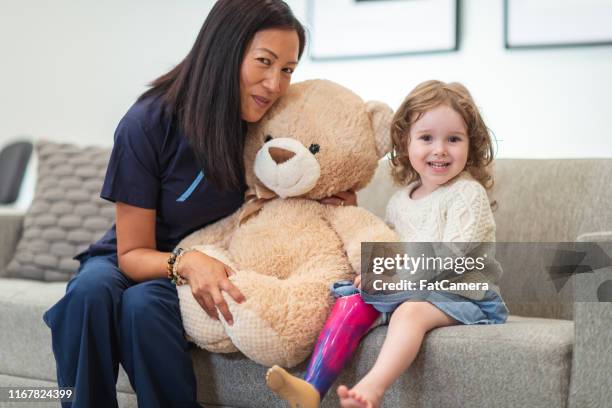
(458, 211)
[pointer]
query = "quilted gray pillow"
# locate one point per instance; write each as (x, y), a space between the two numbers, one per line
(67, 213)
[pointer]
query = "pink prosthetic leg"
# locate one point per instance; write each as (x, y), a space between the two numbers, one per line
(349, 320)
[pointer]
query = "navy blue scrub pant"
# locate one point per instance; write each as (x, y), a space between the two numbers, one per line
(105, 319)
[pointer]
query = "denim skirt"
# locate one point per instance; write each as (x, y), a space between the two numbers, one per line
(491, 309)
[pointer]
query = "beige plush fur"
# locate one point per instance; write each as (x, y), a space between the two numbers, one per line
(288, 252)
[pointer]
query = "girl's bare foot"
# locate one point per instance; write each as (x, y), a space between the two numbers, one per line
(360, 396)
(297, 392)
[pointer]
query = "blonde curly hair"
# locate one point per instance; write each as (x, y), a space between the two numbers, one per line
(429, 95)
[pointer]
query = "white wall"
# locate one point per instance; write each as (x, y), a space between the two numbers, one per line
(539, 103)
(70, 68)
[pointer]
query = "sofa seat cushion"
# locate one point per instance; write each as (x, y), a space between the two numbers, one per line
(525, 362)
(25, 340)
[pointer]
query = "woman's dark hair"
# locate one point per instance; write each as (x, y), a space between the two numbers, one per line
(203, 91)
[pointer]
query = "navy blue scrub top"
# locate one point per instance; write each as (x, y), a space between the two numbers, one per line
(152, 166)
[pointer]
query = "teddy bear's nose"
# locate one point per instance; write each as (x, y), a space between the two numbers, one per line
(280, 155)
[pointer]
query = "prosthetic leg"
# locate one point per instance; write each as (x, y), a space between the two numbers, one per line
(349, 321)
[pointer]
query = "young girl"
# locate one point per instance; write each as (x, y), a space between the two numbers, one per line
(442, 150)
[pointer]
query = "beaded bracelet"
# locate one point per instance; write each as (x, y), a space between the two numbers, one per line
(172, 266)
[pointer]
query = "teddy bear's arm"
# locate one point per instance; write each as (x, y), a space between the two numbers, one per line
(355, 225)
(218, 233)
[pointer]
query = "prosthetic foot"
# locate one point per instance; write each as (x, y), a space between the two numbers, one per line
(297, 392)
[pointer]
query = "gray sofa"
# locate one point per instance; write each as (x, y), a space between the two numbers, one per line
(553, 352)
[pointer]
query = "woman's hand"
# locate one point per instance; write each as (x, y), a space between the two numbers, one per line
(342, 198)
(207, 277)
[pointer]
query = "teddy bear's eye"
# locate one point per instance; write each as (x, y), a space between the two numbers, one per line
(314, 148)
(268, 138)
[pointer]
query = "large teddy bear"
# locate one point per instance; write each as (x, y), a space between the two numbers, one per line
(285, 247)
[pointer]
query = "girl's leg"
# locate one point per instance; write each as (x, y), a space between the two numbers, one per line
(154, 350)
(407, 328)
(84, 330)
(349, 320)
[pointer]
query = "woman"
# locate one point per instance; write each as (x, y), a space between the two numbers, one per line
(176, 166)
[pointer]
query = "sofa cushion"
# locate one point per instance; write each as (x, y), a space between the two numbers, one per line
(25, 338)
(14, 160)
(525, 362)
(66, 214)
(551, 200)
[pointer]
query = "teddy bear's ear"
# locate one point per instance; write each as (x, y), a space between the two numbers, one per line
(381, 116)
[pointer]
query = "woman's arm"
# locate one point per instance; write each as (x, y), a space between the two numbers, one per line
(140, 261)
(136, 250)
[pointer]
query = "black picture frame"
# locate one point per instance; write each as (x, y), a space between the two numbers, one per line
(453, 7)
(512, 26)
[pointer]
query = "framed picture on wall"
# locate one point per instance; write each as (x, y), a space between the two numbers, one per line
(557, 23)
(379, 28)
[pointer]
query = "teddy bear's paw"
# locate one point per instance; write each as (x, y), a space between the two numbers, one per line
(205, 332)
(257, 340)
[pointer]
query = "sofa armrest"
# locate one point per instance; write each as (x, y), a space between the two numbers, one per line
(599, 236)
(591, 382)
(10, 232)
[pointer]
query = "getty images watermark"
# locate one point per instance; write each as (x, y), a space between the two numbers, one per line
(525, 271)
(416, 265)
